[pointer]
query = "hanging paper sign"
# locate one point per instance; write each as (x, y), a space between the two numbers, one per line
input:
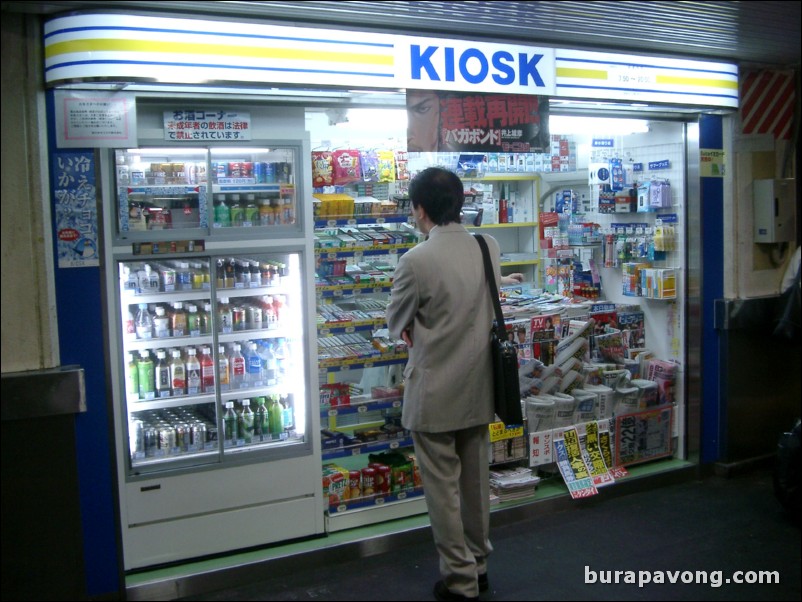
(664, 164)
(603, 143)
(189, 125)
(711, 163)
(636, 167)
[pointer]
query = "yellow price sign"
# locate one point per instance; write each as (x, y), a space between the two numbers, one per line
(499, 432)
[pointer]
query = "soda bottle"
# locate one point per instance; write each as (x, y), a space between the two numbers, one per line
(251, 217)
(254, 367)
(237, 211)
(230, 424)
(223, 369)
(193, 320)
(178, 374)
(237, 368)
(231, 273)
(256, 273)
(222, 213)
(261, 426)
(154, 282)
(198, 279)
(193, 372)
(207, 370)
(144, 323)
(146, 375)
(225, 317)
(161, 324)
(178, 320)
(131, 378)
(271, 365)
(162, 374)
(274, 418)
(183, 276)
(286, 412)
(269, 313)
(265, 213)
(245, 424)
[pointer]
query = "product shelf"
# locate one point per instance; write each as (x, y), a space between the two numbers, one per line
(167, 342)
(361, 408)
(163, 403)
(341, 290)
(397, 249)
(371, 501)
(341, 365)
(361, 221)
(511, 225)
(330, 328)
(365, 448)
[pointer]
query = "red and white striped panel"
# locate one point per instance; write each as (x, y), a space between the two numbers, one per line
(767, 103)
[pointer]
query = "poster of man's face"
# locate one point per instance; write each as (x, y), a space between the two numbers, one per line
(462, 121)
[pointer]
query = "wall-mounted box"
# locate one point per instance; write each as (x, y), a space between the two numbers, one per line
(774, 204)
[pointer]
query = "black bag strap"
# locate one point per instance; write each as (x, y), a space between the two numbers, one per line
(491, 281)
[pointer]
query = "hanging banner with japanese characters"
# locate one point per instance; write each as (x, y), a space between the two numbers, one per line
(185, 125)
(465, 122)
(75, 213)
(95, 119)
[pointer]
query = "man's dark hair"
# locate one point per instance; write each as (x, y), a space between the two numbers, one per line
(440, 193)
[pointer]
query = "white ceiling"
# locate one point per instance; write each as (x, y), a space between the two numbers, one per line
(754, 33)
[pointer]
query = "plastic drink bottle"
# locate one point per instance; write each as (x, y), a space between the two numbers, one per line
(179, 320)
(206, 319)
(274, 417)
(237, 368)
(161, 324)
(193, 372)
(222, 213)
(131, 378)
(254, 366)
(144, 323)
(207, 370)
(223, 369)
(162, 375)
(261, 426)
(146, 375)
(286, 412)
(230, 424)
(225, 317)
(178, 374)
(245, 423)
(193, 320)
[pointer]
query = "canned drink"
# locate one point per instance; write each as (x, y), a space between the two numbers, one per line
(355, 484)
(254, 317)
(167, 439)
(235, 169)
(151, 436)
(211, 432)
(137, 437)
(259, 172)
(238, 319)
(183, 436)
(219, 170)
(198, 436)
(246, 169)
(270, 173)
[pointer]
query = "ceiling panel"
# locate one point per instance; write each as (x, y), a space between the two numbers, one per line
(762, 33)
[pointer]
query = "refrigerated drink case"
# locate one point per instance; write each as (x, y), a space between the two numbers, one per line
(210, 287)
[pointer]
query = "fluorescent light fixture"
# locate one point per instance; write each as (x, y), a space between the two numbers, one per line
(565, 124)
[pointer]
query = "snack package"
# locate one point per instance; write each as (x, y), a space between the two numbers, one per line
(386, 166)
(401, 165)
(322, 169)
(370, 165)
(346, 169)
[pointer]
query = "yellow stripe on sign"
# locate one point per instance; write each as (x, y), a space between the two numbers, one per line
(696, 81)
(108, 45)
(581, 73)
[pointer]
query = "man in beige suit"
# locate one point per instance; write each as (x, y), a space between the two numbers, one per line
(440, 305)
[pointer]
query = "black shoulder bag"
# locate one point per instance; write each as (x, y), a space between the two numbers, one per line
(506, 393)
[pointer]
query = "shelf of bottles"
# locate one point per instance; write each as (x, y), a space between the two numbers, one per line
(219, 188)
(209, 348)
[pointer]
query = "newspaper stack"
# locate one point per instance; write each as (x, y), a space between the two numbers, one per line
(514, 483)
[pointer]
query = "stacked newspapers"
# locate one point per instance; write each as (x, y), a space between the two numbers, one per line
(514, 483)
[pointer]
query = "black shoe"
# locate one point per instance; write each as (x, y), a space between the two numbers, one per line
(484, 584)
(443, 594)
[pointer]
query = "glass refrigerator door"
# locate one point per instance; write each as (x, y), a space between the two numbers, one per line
(161, 189)
(254, 187)
(260, 352)
(168, 349)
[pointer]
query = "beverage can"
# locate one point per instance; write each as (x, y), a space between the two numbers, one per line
(151, 439)
(382, 479)
(167, 439)
(238, 318)
(183, 436)
(368, 481)
(198, 436)
(137, 437)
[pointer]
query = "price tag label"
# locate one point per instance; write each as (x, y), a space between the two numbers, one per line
(331, 255)
(368, 364)
(379, 220)
(377, 289)
(350, 329)
(324, 332)
(331, 222)
(401, 496)
(362, 409)
(332, 412)
(379, 501)
(356, 452)
(392, 251)
(342, 508)
(397, 403)
(339, 292)
(358, 255)
(394, 445)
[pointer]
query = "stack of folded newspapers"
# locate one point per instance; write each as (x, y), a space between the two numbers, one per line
(512, 483)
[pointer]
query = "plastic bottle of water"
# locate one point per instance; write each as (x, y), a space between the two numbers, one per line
(144, 323)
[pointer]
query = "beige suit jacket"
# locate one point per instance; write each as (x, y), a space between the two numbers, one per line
(440, 294)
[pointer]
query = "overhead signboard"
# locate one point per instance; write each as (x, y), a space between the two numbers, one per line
(172, 50)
